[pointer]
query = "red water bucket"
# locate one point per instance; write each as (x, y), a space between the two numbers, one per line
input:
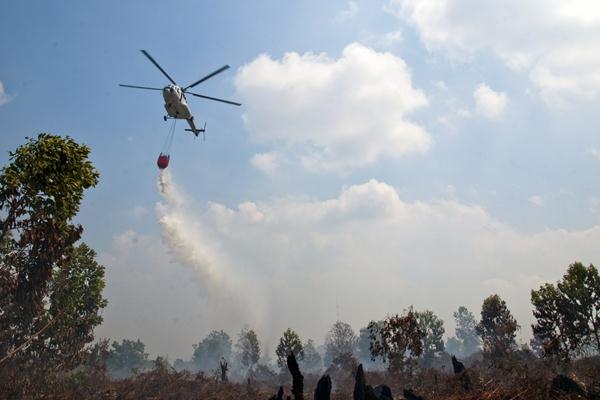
(163, 161)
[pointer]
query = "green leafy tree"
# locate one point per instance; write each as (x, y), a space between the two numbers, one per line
(432, 329)
(568, 314)
(75, 304)
(248, 348)
(465, 331)
(289, 343)
(340, 340)
(497, 327)
(312, 359)
(398, 340)
(47, 313)
(214, 347)
(363, 345)
(127, 356)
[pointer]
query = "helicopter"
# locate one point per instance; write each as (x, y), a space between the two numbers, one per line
(174, 96)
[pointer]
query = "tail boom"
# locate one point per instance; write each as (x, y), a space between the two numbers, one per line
(193, 128)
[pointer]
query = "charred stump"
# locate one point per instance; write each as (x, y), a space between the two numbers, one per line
(461, 372)
(323, 390)
(297, 378)
(410, 395)
(360, 387)
(383, 392)
(564, 384)
(457, 365)
(224, 368)
(362, 391)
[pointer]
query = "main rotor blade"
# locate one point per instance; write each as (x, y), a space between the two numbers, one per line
(140, 87)
(223, 68)
(158, 66)
(215, 99)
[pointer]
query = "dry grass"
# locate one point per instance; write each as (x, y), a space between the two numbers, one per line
(511, 380)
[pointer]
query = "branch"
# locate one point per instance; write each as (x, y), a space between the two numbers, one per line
(34, 336)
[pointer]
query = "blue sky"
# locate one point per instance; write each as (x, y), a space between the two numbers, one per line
(457, 119)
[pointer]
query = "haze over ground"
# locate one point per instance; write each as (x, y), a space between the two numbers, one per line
(387, 154)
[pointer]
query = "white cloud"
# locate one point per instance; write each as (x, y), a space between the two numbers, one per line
(4, 98)
(594, 152)
(283, 263)
(268, 162)
(348, 13)
(554, 41)
(389, 39)
(537, 201)
(335, 115)
(489, 103)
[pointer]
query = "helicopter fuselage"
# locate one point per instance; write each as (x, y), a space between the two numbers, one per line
(175, 102)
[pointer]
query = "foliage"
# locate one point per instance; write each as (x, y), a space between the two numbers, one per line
(248, 348)
(50, 291)
(363, 350)
(211, 349)
(289, 343)
(432, 329)
(465, 331)
(340, 339)
(568, 314)
(312, 359)
(127, 356)
(497, 327)
(398, 340)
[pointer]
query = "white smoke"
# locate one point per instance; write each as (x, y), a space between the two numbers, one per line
(186, 242)
(287, 262)
(222, 289)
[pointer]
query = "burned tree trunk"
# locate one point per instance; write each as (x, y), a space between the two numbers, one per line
(224, 368)
(461, 373)
(360, 387)
(410, 395)
(457, 365)
(297, 378)
(323, 390)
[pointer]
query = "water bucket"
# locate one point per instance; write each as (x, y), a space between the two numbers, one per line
(163, 161)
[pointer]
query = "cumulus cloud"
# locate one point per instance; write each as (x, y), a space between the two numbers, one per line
(268, 162)
(594, 152)
(334, 115)
(284, 262)
(4, 98)
(554, 41)
(489, 103)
